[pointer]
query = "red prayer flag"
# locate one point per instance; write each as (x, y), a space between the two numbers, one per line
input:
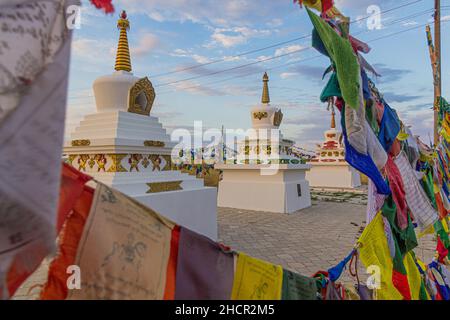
(398, 192)
(105, 5)
(401, 283)
(442, 251)
(56, 286)
(72, 185)
(327, 5)
(169, 292)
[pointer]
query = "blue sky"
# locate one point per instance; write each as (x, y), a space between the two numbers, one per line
(171, 35)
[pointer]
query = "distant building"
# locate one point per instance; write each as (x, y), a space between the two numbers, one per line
(265, 176)
(329, 168)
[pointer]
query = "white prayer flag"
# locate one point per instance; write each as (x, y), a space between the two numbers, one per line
(34, 65)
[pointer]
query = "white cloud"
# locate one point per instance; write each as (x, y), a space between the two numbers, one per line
(230, 37)
(288, 49)
(179, 52)
(84, 48)
(194, 88)
(287, 75)
(188, 54)
(147, 43)
(231, 58)
(263, 58)
(362, 4)
(220, 13)
(409, 23)
(228, 41)
(200, 59)
(274, 23)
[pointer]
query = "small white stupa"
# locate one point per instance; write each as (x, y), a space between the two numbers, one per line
(329, 168)
(265, 176)
(125, 147)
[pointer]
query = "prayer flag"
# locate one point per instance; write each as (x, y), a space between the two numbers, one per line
(34, 73)
(123, 251)
(298, 287)
(255, 279)
(344, 58)
(205, 270)
(374, 251)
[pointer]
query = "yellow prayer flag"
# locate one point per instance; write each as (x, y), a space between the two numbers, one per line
(413, 274)
(315, 4)
(374, 253)
(255, 279)
(402, 136)
(435, 188)
(429, 230)
(444, 224)
(421, 264)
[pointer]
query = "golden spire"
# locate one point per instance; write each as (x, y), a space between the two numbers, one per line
(333, 120)
(123, 61)
(265, 94)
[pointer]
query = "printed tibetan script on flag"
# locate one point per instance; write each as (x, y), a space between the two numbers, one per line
(34, 62)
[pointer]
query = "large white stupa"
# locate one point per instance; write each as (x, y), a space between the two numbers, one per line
(125, 147)
(265, 176)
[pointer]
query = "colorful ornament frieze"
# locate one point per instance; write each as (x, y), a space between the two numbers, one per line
(116, 165)
(134, 160)
(101, 162)
(120, 162)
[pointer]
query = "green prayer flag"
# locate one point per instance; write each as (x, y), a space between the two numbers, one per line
(298, 287)
(407, 239)
(331, 89)
(344, 59)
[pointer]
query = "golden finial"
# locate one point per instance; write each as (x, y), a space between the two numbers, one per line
(333, 120)
(123, 61)
(265, 94)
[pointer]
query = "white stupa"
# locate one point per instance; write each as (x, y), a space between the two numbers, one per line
(329, 169)
(125, 147)
(265, 176)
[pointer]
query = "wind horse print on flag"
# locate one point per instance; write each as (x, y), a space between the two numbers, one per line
(124, 250)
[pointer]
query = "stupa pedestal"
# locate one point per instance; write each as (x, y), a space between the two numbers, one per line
(265, 176)
(329, 170)
(244, 187)
(125, 147)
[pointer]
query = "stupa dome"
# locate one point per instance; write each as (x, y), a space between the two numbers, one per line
(122, 90)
